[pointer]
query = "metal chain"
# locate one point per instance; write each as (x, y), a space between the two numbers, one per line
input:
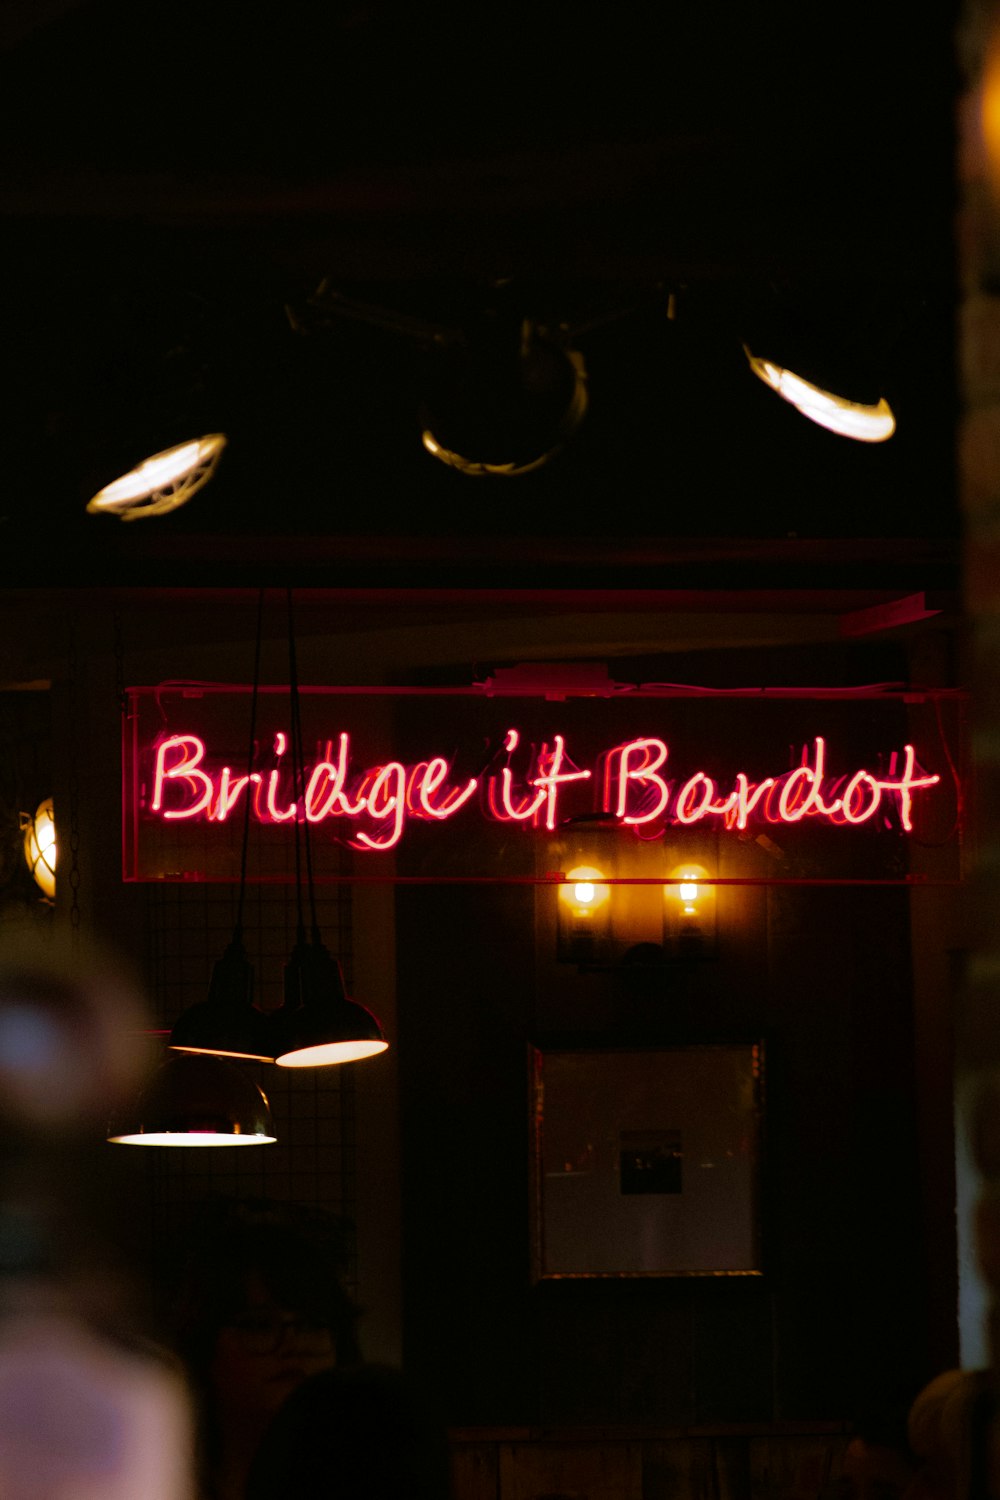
(119, 662)
(74, 797)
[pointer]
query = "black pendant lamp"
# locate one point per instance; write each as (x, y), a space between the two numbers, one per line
(197, 1101)
(228, 1023)
(317, 1024)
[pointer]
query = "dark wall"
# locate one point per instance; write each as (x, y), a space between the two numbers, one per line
(839, 1315)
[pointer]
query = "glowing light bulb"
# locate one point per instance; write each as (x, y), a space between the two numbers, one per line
(162, 482)
(40, 846)
(863, 422)
(584, 891)
(688, 890)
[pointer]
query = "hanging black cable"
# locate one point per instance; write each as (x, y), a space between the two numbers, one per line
(228, 1023)
(251, 751)
(318, 1024)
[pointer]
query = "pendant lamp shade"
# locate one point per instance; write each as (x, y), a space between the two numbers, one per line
(227, 1023)
(318, 1024)
(197, 1101)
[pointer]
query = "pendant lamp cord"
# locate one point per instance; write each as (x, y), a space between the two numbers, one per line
(251, 748)
(298, 768)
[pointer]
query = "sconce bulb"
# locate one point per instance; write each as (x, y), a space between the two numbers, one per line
(688, 891)
(584, 892)
(40, 847)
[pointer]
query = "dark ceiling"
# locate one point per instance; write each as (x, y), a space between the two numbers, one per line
(175, 176)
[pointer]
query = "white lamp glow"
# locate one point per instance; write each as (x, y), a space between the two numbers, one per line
(583, 891)
(852, 419)
(40, 846)
(162, 482)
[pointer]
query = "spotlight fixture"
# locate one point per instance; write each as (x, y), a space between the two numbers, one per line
(866, 422)
(826, 350)
(40, 847)
(504, 390)
(505, 401)
(162, 482)
(197, 1101)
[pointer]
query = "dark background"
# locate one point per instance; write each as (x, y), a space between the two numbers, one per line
(176, 175)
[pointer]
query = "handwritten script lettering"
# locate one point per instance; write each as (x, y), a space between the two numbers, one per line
(371, 807)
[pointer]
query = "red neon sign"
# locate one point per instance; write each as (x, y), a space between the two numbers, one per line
(372, 806)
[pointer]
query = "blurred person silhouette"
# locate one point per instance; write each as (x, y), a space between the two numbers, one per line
(260, 1308)
(352, 1434)
(89, 1409)
(949, 1429)
(878, 1462)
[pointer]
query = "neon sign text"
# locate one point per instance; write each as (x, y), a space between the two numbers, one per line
(371, 807)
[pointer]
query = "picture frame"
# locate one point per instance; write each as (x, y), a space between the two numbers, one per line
(646, 1161)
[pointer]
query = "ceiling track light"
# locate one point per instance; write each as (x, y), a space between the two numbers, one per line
(864, 421)
(162, 482)
(506, 401)
(504, 391)
(823, 357)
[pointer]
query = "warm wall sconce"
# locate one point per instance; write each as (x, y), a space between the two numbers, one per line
(689, 913)
(197, 1101)
(161, 482)
(584, 916)
(40, 846)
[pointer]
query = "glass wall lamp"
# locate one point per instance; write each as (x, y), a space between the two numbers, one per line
(689, 913)
(583, 916)
(40, 846)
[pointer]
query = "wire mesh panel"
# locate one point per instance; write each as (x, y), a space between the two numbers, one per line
(313, 1159)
